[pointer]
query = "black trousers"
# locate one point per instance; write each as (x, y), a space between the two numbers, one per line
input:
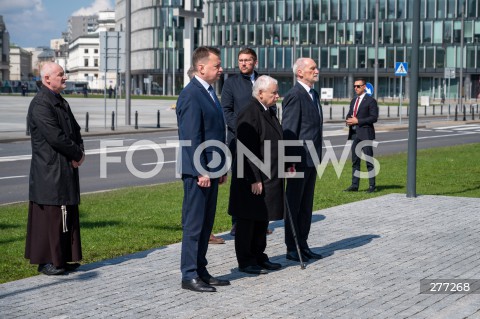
(250, 242)
(300, 193)
(356, 161)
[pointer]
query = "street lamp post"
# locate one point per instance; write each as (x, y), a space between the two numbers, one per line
(460, 95)
(375, 80)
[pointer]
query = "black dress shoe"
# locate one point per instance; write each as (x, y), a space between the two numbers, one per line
(212, 281)
(71, 266)
(351, 188)
(270, 266)
(50, 270)
(310, 254)
(371, 189)
(293, 255)
(255, 269)
(198, 285)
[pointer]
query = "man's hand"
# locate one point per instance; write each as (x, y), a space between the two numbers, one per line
(223, 179)
(352, 121)
(203, 181)
(291, 171)
(257, 188)
(76, 164)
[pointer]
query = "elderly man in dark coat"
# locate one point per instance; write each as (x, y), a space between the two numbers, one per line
(53, 229)
(257, 193)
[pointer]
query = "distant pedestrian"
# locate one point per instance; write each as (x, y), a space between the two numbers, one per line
(24, 89)
(85, 91)
(110, 92)
(53, 229)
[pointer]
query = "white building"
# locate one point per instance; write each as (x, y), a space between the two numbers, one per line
(20, 64)
(84, 56)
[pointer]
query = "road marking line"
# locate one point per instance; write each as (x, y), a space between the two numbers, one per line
(176, 144)
(12, 177)
(156, 163)
(454, 126)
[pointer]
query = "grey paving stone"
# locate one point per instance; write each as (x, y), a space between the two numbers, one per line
(377, 251)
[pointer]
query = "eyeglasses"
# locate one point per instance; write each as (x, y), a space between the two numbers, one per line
(358, 86)
(246, 61)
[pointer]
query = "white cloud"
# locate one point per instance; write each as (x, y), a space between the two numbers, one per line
(94, 8)
(25, 19)
(14, 6)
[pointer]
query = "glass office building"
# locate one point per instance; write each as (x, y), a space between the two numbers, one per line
(340, 36)
(157, 43)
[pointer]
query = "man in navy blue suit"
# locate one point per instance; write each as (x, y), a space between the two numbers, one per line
(200, 123)
(302, 120)
(360, 118)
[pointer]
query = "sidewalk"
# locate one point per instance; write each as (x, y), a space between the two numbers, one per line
(377, 251)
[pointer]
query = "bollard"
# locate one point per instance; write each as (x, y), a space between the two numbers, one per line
(464, 113)
(425, 112)
(113, 121)
(136, 120)
(388, 111)
(472, 111)
(449, 110)
(86, 122)
(433, 109)
(398, 111)
(343, 113)
(441, 109)
(456, 112)
(28, 128)
(158, 119)
(330, 112)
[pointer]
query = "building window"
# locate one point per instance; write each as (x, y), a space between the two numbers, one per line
(95, 50)
(85, 50)
(95, 63)
(85, 63)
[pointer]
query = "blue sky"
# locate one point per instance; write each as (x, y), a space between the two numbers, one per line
(33, 23)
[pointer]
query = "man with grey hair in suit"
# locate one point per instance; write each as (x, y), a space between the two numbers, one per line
(302, 120)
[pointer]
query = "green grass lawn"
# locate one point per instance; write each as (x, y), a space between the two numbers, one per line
(134, 219)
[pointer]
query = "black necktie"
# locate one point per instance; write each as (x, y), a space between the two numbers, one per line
(315, 99)
(214, 97)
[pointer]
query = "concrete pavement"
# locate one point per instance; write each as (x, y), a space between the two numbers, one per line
(377, 251)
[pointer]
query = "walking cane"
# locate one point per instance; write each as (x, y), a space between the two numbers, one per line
(302, 264)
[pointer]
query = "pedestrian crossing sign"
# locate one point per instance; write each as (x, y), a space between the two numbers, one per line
(401, 68)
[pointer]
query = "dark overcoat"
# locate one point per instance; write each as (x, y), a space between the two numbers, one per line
(56, 141)
(236, 94)
(255, 126)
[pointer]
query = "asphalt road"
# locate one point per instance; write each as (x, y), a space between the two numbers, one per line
(156, 163)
